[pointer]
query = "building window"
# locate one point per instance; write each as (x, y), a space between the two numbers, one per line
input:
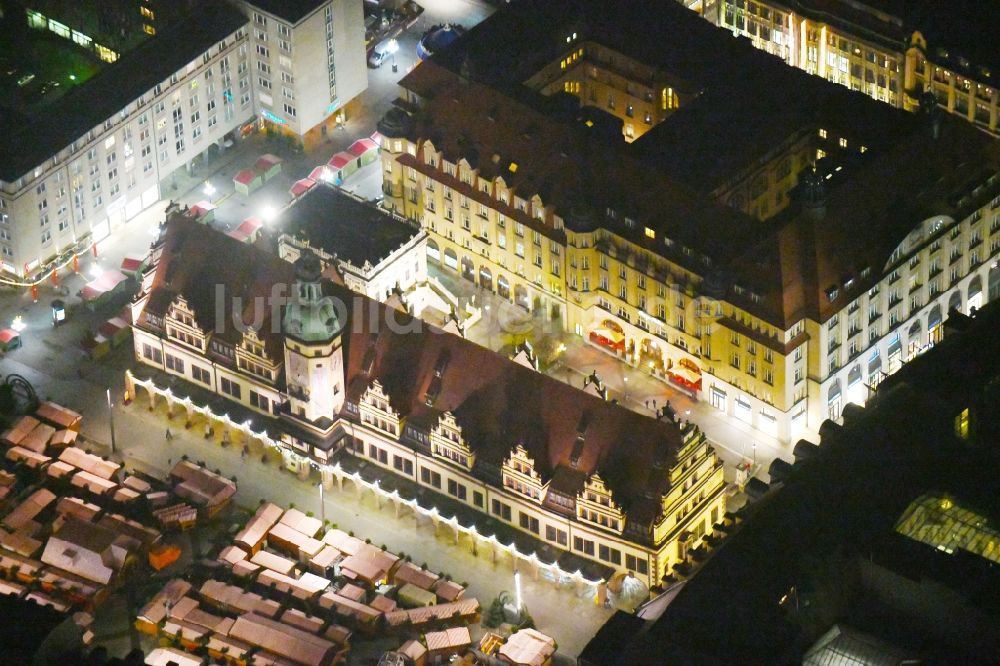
(201, 374)
(557, 535)
(175, 364)
(501, 509)
(477, 499)
(230, 387)
(638, 564)
(528, 522)
(962, 424)
(456, 489)
(582, 545)
(151, 353)
(260, 401)
(403, 465)
(430, 477)
(608, 554)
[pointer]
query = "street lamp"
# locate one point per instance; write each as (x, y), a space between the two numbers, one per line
(322, 503)
(267, 212)
(754, 454)
(517, 591)
(392, 47)
(111, 419)
(209, 189)
(625, 379)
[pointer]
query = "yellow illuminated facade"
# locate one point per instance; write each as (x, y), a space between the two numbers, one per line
(867, 59)
(623, 87)
(649, 309)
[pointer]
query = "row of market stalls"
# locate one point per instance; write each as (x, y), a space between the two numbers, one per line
(267, 166)
(361, 153)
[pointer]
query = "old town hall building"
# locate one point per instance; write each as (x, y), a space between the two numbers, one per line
(331, 378)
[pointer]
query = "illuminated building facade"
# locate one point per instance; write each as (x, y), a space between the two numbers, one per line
(88, 162)
(182, 90)
(568, 468)
(308, 62)
(697, 252)
(890, 53)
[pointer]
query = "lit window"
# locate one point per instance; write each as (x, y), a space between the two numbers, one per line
(864, 149)
(148, 29)
(962, 424)
(513, 167)
(650, 233)
(843, 142)
(822, 133)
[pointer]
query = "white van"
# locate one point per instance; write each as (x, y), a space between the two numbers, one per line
(379, 54)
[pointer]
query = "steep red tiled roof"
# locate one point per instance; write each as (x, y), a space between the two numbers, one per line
(499, 404)
(214, 273)
(565, 165)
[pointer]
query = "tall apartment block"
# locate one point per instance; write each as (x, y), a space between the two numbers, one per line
(146, 90)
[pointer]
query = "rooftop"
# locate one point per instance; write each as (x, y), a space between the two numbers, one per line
(425, 373)
(339, 224)
(473, 103)
(292, 11)
(33, 138)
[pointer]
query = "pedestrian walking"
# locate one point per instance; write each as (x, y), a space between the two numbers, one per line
(654, 403)
(170, 435)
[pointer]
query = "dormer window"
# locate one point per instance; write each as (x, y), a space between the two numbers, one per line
(519, 474)
(596, 505)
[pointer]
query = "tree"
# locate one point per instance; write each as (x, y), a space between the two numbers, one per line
(494, 616)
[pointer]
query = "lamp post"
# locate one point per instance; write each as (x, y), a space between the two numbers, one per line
(111, 420)
(392, 47)
(625, 379)
(517, 591)
(755, 454)
(322, 503)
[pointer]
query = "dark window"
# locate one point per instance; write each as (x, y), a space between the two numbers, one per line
(477, 498)
(555, 534)
(430, 477)
(259, 401)
(456, 489)
(231, 388)
(201, 374)
(403, 465)
(529, 523)
(175, 364)
(501, 509)
(639, 564)
(585, 546)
